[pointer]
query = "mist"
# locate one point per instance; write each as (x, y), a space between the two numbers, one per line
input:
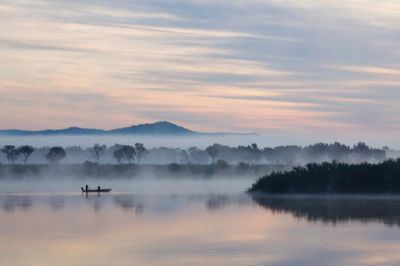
(217, 168)
(183, 142)
(144, 185)
(251, 153)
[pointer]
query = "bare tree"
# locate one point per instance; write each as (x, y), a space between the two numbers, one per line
(97, 151)
(140, 151)
(26, 151)
(11, 153)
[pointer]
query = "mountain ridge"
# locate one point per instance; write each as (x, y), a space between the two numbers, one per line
(156, 128)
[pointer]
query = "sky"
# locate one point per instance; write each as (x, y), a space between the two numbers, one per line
(302, 70)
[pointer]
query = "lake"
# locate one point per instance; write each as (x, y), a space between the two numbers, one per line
(193, 223)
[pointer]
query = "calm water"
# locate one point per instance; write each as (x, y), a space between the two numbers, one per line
(197, 228)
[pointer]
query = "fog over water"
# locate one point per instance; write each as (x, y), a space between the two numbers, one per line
(149, 185)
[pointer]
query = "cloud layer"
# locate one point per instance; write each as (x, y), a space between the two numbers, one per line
(310, 67)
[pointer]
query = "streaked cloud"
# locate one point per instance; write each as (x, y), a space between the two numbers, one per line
(375, 70)
(256, 65)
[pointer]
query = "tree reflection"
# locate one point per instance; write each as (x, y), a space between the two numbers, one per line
(335, 210)
(14, 202)
(96, 199)
(220, 201)
(217, 202)
(128, 203)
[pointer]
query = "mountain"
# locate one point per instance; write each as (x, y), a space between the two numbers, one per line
(158, 128)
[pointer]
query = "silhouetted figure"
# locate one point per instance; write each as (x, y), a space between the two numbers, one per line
(98, 188)
(87, 188)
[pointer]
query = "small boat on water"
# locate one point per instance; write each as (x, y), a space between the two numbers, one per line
(98, 190)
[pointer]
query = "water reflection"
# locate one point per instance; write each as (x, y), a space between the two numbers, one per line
(196, 229)
(128, 203)
(96, 200)
(218, 202)
(336, 209)
(10, 203)
(56, 202)
(327, 210)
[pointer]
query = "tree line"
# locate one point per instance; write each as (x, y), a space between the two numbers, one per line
(298, 155)
(57, 153)
(251, 154)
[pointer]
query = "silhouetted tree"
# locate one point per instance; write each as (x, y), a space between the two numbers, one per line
(118, 155)
(254, 146)
(197, 155)
(212, 152)
(12, 154)
(140, 151)
(253, 152)
(55, 155)
(97, 151)
(26, 151)
(221, 164)
(191, 153)
(128, 153)
(184, 157)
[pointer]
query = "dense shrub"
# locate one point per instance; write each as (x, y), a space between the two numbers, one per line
(334, 178)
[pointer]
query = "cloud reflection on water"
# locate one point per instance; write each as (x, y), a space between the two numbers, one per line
(334, 210)
(196, 229)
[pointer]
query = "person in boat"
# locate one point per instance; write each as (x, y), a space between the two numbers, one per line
(99, 189)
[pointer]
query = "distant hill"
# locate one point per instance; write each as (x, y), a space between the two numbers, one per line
(47, 132)
(157, 128)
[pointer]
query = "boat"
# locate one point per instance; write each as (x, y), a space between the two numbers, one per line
(95, 190)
